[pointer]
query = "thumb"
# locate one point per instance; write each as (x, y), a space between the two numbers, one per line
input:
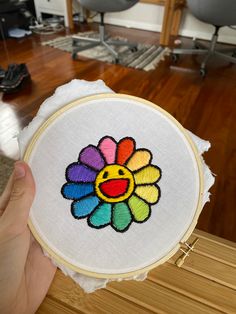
(21, 197)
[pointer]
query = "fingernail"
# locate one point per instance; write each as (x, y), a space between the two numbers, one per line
(19, 171)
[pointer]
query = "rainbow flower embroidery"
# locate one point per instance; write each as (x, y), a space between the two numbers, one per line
(112, 184)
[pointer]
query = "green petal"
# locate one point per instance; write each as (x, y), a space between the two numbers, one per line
(121, 217)
(101, 216)
(139, 208)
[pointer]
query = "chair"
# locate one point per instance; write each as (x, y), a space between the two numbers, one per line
(103, 6)
(219, 13)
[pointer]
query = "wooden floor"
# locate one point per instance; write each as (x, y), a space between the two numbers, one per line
(207, 106)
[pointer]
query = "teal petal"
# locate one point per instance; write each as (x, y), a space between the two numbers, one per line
(101, 216)
(84, 207)
(75, 191)
(121, 217)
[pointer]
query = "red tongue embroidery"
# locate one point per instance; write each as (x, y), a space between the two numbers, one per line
(114, 187)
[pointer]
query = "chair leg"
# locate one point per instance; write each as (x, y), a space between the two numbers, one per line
(81, 38)
(225, 57)
(121, 43)
(189, 51)
(111, 50)
(211, 49)
(85, 47)
(204, 62)
(102, 40)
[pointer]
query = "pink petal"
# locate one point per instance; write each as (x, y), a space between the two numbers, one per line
(107, 146)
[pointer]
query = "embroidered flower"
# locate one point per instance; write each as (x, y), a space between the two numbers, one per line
(112, 184)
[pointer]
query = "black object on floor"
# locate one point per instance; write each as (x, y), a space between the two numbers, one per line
(15, 76)
(2, 73)
(13, 13)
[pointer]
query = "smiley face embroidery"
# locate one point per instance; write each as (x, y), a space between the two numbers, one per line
(112, 184)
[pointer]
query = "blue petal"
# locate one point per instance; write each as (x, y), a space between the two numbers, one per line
(101, 216)
(75, 191)
(84, 207)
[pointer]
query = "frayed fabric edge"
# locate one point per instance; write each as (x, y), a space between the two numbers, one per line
(63, 95)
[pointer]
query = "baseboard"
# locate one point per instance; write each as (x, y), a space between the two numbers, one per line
(224, 38)
(132, 24)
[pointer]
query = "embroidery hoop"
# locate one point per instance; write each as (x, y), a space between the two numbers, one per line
(188, 232)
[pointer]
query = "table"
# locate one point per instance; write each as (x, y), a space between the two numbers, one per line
(57, 7)
(205, 283)
(171, 20)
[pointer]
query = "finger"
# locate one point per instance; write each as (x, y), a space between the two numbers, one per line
(4, 198)
(21, 197)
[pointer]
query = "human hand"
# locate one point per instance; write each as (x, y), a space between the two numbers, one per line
(25, 273)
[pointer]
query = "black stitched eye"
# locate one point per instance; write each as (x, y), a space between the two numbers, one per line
(105, 175)
(121, 172)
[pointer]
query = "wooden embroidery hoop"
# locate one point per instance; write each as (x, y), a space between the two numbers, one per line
(187, 234)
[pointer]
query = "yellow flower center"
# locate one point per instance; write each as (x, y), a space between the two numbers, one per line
(114, 183)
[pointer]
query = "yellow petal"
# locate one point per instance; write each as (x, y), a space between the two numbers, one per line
(147, 175)
(149, 193)
(139, 159)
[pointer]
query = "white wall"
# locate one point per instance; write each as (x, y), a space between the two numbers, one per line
(150, 16)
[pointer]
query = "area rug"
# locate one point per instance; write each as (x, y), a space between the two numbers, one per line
(145, 58)
(6, 167)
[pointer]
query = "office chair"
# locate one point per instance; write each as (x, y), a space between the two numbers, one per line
(103, 6)
(218, 13)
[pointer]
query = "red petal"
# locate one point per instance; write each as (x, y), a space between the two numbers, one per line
(125, 149)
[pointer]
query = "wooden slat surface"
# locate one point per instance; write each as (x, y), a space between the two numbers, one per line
(209, 268)
(103, 301)
(195, 287)
(51, 306)
(158, 298)
(206, 247)
(205, 284)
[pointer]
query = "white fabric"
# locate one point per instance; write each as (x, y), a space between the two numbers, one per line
(143, 244)
(77, 89)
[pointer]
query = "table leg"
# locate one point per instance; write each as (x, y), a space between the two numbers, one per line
(176, 21)
(70, 13)
(167, 22)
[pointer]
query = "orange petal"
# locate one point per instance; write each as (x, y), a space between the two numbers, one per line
(125, 149)
(139, 159)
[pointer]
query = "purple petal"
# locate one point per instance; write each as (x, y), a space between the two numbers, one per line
(80, 173)
(92, 157)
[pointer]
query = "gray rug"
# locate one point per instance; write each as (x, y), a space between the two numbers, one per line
(145, 58)
(6, 167)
